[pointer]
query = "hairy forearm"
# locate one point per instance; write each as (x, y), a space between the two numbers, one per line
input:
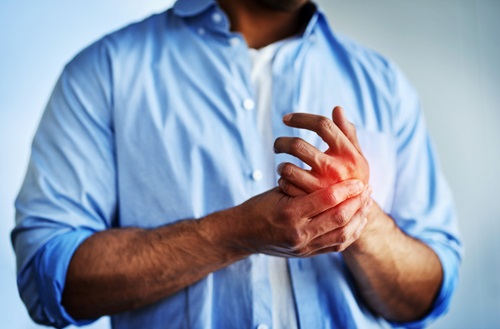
(121, 269)
(397, 275)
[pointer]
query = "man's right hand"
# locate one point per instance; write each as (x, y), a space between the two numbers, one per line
(164, 260)
(327, 220)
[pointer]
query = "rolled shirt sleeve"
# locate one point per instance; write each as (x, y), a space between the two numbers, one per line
(41, 283)
(69, 191)
(423, 206)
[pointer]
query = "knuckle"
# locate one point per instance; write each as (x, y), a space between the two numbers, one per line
(325, 125)
(350, 167)
(350, 190)
(322, 161)
(296, 239)
(286, 170)
(297, 145)
(331, 197)
(326, 164)
(342, 216)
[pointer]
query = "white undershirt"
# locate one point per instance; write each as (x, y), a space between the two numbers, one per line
(283, 306)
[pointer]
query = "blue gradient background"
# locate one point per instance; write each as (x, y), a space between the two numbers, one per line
(450, 49)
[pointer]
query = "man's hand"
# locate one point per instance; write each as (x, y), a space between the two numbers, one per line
(342, 160)
(326, 220)
(398, 287)
(166, 259)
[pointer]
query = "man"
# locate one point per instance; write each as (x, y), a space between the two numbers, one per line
(150, 194)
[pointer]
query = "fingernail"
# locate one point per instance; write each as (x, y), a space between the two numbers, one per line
(369, 203)
(287, 117)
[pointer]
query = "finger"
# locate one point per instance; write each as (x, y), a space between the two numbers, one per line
(315, 203)
(340, 239)
(323, 126)
(340, 215)
(349, 130)
(290, 189)
(366, 208)
(301, 149)
(299, 177)
(332, 241)
(368, 203)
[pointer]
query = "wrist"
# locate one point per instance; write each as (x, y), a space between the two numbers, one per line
(380, 227)
(224, 231)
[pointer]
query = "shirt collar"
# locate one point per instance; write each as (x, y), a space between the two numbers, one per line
(190, 8)
(313, 12)
(187, 8)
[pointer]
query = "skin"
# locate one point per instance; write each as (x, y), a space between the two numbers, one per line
(278, 18)
(281, 5)
(123, 269)
(397, 275)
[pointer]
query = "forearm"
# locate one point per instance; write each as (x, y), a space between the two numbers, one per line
(121, 269)
(397, 275)
(118, 270)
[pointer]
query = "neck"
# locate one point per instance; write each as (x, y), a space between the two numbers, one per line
(259, 25)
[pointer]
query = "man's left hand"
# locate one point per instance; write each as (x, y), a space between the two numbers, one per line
(342, 160)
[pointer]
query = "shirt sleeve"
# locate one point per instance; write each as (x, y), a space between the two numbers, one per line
(423, 205)
(69, 191)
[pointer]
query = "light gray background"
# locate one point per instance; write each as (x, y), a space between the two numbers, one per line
(450, 49)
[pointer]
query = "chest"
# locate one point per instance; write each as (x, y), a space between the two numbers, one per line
(187, 135)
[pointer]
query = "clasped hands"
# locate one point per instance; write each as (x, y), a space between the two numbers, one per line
(314, 211)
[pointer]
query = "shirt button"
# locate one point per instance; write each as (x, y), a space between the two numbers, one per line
(262, 326)
(201, 31)
(248, 104)
(234, 41)
(217, 17)
(257, 175)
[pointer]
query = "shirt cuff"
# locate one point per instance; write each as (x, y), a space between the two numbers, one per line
(450, 261)
(51, 265)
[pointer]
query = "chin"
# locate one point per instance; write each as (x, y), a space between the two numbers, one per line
(282, 5)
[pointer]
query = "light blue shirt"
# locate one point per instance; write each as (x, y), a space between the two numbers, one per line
(155, 123)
